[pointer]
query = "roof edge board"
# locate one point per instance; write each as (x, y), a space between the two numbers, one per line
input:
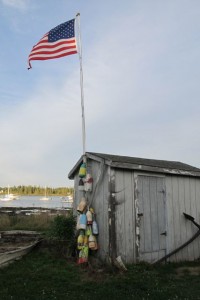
(154, 169)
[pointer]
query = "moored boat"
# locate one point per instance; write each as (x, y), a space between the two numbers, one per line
(9, 196)
(45, 198)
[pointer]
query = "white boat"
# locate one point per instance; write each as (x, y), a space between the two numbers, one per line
(67, 201)
(45, 198)
(9, 196)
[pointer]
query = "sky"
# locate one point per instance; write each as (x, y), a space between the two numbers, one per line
(141, 73)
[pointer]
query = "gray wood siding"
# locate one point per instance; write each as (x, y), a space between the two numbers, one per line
(182, 195)
(125, 215)
(99, 202)
(98, 199)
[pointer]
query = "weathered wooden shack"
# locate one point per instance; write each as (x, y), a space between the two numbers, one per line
(139, 205)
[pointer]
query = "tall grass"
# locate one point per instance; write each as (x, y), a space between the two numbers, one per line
(33, 222)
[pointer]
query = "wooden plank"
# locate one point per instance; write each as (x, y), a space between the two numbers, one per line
(154, 215)
(139, 210)
(182, 201)
(104, 218)
(97, 201)
(177, 213)
(161, 218)
(197, 191)
(189, 225)
(101, 209)
(147, 214)
(112, 216)
(152, 169)
(129, 217)
(194, 214)
(170, 243)
(120, 213)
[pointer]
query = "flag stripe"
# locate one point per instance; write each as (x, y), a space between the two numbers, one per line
(55, 56)
(55, 48)
(53, 45)
(59, 46)
(45, 41)
(50, 53)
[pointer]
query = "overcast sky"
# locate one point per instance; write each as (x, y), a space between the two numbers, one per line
(141, 86)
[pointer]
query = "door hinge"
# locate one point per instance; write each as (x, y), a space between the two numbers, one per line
(164, 233)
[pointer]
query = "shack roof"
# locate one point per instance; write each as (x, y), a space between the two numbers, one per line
(142, 164)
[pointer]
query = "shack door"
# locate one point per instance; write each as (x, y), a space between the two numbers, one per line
(151, 217)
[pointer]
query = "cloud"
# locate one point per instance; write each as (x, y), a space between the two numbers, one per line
(141, 99)
(21, 5)
(38, 132)
(142, 90)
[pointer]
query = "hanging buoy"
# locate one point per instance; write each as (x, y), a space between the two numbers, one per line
(88, 230)
(95, 229)
(82, 171)
(92, 210)
(78, 223)
(89, 217)
(80, 240)
(83, 255)
(88, 183)
(82, 205)
(83, 221)
(85, 241)
(92, 242)
(81, 185)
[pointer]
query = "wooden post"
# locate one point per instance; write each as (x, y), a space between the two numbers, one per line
(111, 216)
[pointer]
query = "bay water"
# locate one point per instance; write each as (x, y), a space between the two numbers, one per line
(34, 201)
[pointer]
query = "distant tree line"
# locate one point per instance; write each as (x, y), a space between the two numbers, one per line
(37, 190)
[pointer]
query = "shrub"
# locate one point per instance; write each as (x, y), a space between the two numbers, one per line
(62, 228)
(61, 235)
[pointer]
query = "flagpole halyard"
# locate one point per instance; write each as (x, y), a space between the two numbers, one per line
(81, 81)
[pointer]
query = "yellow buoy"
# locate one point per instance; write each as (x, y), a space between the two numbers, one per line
(80, 240)
(82, 171)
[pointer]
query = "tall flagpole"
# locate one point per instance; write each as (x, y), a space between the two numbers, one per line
(81, 80)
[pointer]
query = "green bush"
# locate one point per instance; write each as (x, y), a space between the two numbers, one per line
(62, 228)
(61, 236)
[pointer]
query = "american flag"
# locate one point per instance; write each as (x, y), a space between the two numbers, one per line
(58, 42)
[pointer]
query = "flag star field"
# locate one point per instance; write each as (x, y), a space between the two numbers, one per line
(62, 31)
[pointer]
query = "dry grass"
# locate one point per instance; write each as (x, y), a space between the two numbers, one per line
(33, 222)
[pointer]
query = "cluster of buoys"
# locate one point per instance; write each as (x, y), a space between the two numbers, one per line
(87, 227)
(87, 234)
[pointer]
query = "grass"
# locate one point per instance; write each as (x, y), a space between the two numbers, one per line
(44, 275)
(34, 222)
